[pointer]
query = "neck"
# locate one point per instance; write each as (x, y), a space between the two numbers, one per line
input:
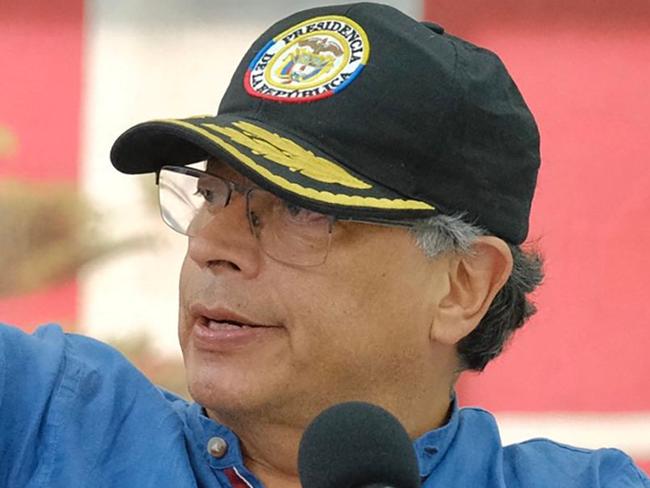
(270, 449)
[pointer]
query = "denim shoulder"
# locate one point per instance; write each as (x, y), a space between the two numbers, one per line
(61, 393)
(544, 462)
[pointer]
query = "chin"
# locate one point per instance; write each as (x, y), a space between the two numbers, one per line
(219, 396)
(225, 386)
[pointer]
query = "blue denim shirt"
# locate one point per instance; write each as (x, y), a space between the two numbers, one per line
(75, 412)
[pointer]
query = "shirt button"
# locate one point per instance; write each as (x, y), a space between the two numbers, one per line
(217, 447)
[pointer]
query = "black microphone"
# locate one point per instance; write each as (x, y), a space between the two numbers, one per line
(357, 445)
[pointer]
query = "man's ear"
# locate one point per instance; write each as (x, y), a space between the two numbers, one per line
(474, 280)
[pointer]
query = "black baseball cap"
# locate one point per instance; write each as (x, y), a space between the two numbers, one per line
(362, 112)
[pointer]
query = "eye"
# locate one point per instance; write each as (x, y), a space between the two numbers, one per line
(208, 193)
(255, 220)
(302, 215)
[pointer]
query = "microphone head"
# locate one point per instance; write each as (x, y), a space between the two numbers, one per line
(356, 444)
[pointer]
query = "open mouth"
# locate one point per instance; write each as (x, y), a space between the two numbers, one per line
(219, 330)
(224, 325)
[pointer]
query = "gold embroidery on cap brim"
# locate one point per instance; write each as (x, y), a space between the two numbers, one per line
(318, 195)
(289, 154)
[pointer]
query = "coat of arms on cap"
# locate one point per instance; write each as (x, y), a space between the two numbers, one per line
(310, 61)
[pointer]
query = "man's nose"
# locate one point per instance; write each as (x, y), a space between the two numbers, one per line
(226, 242)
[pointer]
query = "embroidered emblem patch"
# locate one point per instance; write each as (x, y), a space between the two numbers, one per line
(310, 61)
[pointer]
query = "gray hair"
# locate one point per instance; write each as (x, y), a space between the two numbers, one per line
(511, 306)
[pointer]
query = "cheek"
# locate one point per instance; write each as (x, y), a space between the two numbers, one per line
(184, 290)
(352, 316)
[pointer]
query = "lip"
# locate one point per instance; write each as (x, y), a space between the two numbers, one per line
(228, 339)
(222, 314)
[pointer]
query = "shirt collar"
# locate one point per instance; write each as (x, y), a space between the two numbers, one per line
(204, 429)
(431, 447)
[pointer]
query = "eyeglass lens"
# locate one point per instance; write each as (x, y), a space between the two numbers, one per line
(189, 199)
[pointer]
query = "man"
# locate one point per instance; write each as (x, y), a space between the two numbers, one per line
(354, 235)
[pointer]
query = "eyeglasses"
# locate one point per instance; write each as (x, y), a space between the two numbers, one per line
(189, 199)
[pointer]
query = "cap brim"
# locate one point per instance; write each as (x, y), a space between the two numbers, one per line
(273, 159)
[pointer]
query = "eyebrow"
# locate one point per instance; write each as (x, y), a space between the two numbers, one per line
(211, 162)
(217, 166)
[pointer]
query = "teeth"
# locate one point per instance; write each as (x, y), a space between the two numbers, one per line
(214, 325)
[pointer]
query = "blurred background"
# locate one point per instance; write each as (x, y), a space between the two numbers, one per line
(83, 246)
